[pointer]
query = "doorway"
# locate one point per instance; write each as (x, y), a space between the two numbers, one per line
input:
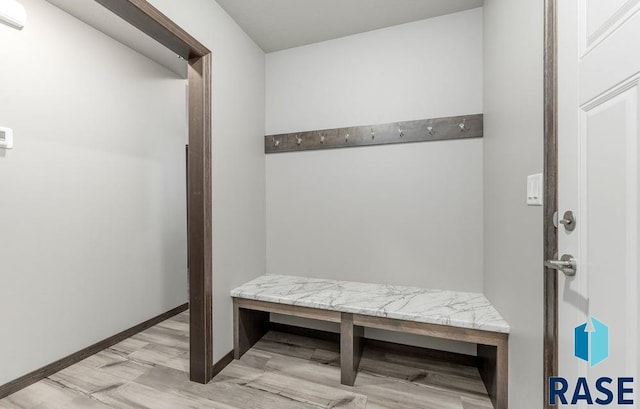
(151, 21)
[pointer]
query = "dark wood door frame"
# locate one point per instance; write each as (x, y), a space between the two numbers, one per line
(550, 339)
(151, 21)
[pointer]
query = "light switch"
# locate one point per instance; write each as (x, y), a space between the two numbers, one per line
(6, 138)
(535, 188)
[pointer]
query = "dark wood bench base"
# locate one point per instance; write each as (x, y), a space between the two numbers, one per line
(251, 322)
(248, 327)
(351, 346)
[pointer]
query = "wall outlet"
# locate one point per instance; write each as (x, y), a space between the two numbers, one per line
(535, 190)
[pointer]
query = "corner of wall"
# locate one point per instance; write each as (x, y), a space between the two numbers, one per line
(513, 149)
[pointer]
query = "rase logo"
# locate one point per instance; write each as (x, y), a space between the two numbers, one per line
(591, 344)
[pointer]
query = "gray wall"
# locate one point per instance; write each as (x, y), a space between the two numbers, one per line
(390, 214)
(513, 149)
(405, 214)
(238, 154)
(92, 207)
(92, 204)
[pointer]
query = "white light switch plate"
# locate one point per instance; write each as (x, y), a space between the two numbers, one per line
(535, 189)
(6, 138)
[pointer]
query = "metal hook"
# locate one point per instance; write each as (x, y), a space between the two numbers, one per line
(276, 142)
(298, 140)
(373, 134)
(463, 125)
(322, 139)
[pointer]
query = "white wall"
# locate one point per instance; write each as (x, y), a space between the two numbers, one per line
(513, 149)
(92, 208)
(238, 154)
(406, 214)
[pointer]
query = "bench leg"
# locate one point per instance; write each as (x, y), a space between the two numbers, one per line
(248, 327)
(351, 346)
(502, 371)
(494, 370)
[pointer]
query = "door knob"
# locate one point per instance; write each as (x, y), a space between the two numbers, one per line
(567, 264)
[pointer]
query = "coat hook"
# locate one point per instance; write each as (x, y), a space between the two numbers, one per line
(463, 125)
(430, 130)
(346, 138)
(276, 142)
(401, 132)
(322, 139)
(373, 134)
(298, 140)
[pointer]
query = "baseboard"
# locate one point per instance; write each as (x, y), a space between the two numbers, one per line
(48, 370)
(222, 363)
(305, 332)
(423, 352)
(454, 357)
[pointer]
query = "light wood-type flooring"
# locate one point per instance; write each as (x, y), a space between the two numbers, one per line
(282, 371)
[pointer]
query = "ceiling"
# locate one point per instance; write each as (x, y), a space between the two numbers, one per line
(280, 24)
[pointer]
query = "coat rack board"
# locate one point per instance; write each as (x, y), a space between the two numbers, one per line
(423, 130)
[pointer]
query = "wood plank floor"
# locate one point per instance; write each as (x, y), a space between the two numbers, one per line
(282, 371)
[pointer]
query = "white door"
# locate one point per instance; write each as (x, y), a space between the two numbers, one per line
(599, 80)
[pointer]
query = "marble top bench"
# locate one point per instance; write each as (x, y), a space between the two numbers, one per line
(451, 315)
(452, 308)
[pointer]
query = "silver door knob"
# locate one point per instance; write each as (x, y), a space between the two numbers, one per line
(567, 264)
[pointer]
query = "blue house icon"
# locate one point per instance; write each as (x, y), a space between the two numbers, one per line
(592, 342)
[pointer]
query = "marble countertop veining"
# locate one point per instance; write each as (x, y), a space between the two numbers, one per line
(454, 308)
